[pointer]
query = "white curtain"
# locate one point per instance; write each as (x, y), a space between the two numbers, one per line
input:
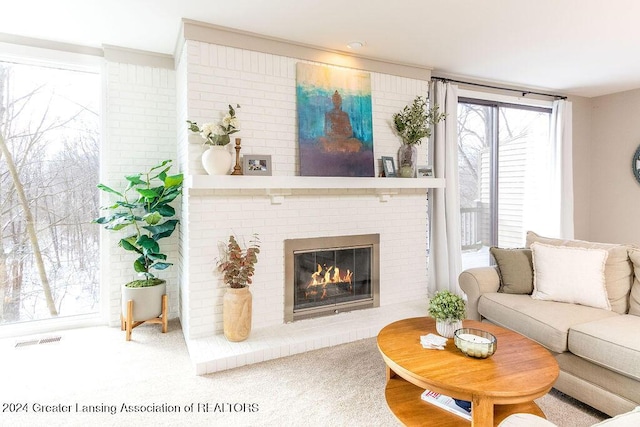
(562, 160)
(445, 258)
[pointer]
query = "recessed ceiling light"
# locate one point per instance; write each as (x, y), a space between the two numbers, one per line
(355, 45)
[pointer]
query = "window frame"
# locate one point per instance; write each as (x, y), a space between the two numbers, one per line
(77, 59)
(495, 102)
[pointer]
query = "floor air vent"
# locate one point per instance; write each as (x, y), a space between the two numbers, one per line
(26, 343)
(40, 341)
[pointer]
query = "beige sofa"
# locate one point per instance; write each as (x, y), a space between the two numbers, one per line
(628, 419)
(597, 349)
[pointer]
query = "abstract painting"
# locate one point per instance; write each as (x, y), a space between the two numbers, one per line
(335, 126)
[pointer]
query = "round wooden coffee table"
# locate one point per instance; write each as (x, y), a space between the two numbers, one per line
(505, 383)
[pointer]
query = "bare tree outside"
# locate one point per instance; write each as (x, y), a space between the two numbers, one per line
(49, 151)
(519, 137)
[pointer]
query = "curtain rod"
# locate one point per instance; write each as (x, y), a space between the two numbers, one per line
(523, 92)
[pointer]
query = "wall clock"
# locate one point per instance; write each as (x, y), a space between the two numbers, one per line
(635, 164)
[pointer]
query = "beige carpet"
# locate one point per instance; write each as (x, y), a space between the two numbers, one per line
(149, 382)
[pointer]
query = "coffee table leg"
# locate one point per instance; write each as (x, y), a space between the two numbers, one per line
(390, 373)
(481, 412)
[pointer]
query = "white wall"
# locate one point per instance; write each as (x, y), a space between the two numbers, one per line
(264, 85)
(582, 169)
(614, 192)
(139, 132)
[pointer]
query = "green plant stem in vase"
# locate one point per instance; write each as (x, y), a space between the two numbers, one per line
(412, 124)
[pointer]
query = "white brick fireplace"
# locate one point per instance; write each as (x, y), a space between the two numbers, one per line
(286, 206)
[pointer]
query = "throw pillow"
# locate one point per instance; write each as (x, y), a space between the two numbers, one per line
(515, 269)
(634, 301)
(571, 275)
(618, 271)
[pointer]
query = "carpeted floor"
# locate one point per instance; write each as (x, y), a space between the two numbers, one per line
(93, 377)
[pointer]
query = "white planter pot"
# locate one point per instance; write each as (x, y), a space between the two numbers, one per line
(446, 328)
(217, 160)
(147, 301)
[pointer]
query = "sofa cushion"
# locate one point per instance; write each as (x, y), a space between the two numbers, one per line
(600, 377)
(618, 270)
(628, 419)
(611, 342)
(515, 268)
(546, 322)
(573, 275)
(634, 301)
(525, 420)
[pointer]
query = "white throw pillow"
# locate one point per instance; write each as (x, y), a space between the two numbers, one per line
(569, 274)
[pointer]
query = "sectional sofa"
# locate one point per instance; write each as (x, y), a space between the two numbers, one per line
(580, 300)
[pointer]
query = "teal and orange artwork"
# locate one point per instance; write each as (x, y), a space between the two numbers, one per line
(335, 125)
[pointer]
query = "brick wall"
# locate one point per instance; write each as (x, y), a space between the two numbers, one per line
(139, 132)
(209, 78)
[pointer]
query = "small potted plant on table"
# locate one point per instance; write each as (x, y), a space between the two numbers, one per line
(238, 267)
(448, 309)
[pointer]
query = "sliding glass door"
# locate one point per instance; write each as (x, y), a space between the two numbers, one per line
(503, 157)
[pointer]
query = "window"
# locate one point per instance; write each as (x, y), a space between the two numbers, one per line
(49, 158)
(503, 156)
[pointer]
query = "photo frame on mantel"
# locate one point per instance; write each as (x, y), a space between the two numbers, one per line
(389, 167)
(256, 164)
(425, 171)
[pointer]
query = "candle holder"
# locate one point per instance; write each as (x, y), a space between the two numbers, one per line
(475, 342)
(237, 169)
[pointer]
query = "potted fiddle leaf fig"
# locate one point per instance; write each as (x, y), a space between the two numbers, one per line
(143, 209)
(448, 309)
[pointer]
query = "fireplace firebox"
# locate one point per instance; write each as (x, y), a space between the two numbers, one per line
(329, 275)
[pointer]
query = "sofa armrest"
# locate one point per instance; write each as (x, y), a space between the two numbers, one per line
(475, 282)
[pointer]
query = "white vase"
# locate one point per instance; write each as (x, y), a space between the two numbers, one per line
(217, 160)
(446, 328)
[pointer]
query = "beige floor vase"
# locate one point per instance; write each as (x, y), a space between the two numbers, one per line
(236, 313)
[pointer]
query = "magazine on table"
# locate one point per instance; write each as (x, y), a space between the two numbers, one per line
(462, 408)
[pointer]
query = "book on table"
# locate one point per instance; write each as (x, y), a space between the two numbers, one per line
(462, 408)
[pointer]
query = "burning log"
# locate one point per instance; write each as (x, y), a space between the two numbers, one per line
(328, 281)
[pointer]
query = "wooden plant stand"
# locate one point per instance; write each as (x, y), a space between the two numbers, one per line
(127, 323)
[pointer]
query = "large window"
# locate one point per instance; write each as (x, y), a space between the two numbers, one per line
(503, 155)
(49, 148)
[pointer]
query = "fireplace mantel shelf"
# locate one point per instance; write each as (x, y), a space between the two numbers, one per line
(279, 186)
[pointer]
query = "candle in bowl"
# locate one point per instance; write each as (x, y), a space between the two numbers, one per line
(475, 342)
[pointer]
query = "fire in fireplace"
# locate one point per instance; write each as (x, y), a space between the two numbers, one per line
(328, 275)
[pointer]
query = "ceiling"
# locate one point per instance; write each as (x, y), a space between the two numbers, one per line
(575, 47)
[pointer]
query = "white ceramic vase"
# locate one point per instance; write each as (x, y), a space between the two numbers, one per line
(446, 328)
(217, 160)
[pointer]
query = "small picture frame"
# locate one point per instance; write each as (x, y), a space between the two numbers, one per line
(256, 164)
(389, 166)
(425, 171)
